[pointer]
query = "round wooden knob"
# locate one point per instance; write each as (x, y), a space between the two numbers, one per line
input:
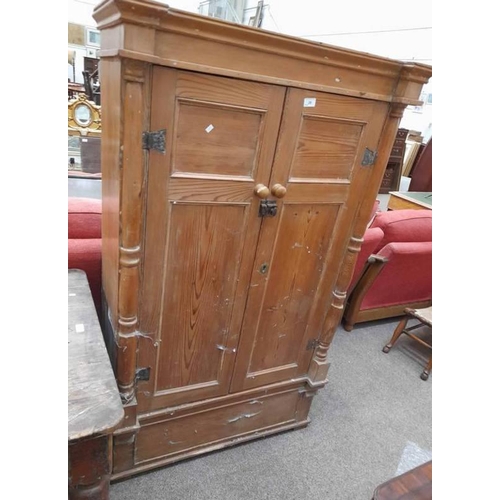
(278, 190)
(261, 191)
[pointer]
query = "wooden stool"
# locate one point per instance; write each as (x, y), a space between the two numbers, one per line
(424, 317)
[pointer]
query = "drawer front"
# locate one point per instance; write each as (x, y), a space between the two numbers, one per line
(397, 151)
(175, 435)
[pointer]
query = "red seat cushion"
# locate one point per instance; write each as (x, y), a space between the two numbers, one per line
(84, 218)
(404, 225)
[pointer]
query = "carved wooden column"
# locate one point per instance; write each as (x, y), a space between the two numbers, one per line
(135, 117)
(319, 365)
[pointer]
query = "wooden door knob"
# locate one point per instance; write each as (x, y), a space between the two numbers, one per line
(278, 190)
(261, 191)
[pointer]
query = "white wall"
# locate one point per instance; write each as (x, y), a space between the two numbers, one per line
(80, 12)
(81, 52)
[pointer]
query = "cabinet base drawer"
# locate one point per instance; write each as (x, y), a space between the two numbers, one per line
(186, 432)
(176, 438)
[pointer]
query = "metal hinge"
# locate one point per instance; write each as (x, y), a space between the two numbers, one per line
(154, 140)
(369, 157)
(142, 373)
(312, 344)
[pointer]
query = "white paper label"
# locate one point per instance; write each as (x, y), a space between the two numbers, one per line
(79, 328)
(209, 129)
(309, 102)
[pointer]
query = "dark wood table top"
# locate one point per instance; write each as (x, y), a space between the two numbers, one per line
(94, 404)
(416, 484)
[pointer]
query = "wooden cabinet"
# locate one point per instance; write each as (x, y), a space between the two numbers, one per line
(392, 174)
(239, 169)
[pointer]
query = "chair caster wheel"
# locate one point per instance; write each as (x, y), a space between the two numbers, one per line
(386, 349)
(424, 376)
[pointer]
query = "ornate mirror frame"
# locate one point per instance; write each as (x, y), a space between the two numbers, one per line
(77, 126)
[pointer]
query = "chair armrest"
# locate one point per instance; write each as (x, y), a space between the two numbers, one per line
(373, 259)
(372, 269)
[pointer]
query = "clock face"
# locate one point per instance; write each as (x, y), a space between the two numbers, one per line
(82, 115)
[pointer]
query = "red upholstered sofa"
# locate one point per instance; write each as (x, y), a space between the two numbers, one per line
(394, 267)
(84, 241)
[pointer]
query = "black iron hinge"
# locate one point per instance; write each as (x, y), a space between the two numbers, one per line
(369, 157)
(142, 374)
(154, 140)
(312, 344)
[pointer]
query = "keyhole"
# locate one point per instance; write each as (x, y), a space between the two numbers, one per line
(263, 268)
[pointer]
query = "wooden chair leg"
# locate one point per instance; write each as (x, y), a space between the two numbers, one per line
(348, 327)
(397, 332)
(427, 370)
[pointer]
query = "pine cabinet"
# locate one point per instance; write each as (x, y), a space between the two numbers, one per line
(239, 169)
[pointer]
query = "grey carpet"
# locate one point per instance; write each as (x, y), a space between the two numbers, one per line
(370, 423)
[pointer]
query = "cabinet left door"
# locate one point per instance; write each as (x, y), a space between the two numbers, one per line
(201, 229)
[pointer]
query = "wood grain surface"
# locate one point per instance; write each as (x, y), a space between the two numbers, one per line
(206, 227)
(201, 282)
(287, 303)
(94, 405)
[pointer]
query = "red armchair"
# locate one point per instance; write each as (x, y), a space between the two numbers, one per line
(398, 272)
(84, 241)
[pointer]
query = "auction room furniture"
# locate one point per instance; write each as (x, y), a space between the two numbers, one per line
(424, 318)
(240, 168)
(94, 405)
(392, 174)
(410, 199)
(415, 484)
(394, 270)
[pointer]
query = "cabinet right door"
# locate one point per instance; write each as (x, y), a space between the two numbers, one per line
(322, 141)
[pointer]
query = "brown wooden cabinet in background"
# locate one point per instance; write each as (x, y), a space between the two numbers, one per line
(239, 169)
(392, 174)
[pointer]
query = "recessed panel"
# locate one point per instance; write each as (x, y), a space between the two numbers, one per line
(326, 149)
(294, 273)
(202, 263)
(216, 139)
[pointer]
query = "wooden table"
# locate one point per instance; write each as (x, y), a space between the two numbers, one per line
(94, 405)
(415, 484)
(410, 199)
